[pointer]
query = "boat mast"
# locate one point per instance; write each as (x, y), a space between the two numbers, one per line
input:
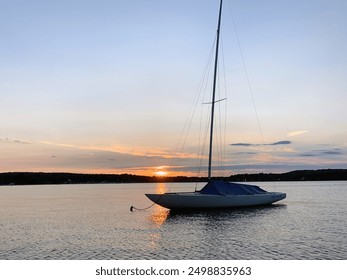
(214, 92)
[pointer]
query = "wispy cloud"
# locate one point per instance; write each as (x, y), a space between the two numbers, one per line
(332, 152)
(283, 142)
(242, 144)
(11, 140)
(46, 155)
(114, 158)
(308, 155)
(57, 144)
(245, 153)
(125, 150)
(296, 133)
(142, 151)
(320, 153)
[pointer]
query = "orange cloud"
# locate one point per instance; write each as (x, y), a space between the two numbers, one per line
(296, 132)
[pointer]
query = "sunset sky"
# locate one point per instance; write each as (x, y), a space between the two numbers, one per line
(107, 86)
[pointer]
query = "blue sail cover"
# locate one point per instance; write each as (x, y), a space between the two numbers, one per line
(227, 188)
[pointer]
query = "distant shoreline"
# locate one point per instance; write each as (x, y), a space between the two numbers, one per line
(45, 178)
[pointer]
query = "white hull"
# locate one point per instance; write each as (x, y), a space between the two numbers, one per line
(196, 200)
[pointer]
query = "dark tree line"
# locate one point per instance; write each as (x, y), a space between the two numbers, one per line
(297, 175)
(36, 178)
(42, 178)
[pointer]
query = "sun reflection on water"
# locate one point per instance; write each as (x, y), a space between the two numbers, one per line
(160, 188)
(159, 214)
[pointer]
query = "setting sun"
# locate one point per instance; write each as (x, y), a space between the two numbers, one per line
(160, 173)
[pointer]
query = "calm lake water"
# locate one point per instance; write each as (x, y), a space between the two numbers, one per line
(94, 222)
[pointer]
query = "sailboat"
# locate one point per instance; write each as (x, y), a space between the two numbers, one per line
(217, 194)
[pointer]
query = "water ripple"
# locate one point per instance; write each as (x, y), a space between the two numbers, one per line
(93, 222)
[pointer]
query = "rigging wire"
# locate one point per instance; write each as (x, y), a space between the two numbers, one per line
(203, 84)
(203, 129)
(247, 77)
(223, 139)
(189, 119)
(203, 88)
(203, 133)
(200, 95)
(249, 86)
(220, 141)
(204, 141)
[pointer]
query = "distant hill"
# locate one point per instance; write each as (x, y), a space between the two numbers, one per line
(297, 175)
(39, 178)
